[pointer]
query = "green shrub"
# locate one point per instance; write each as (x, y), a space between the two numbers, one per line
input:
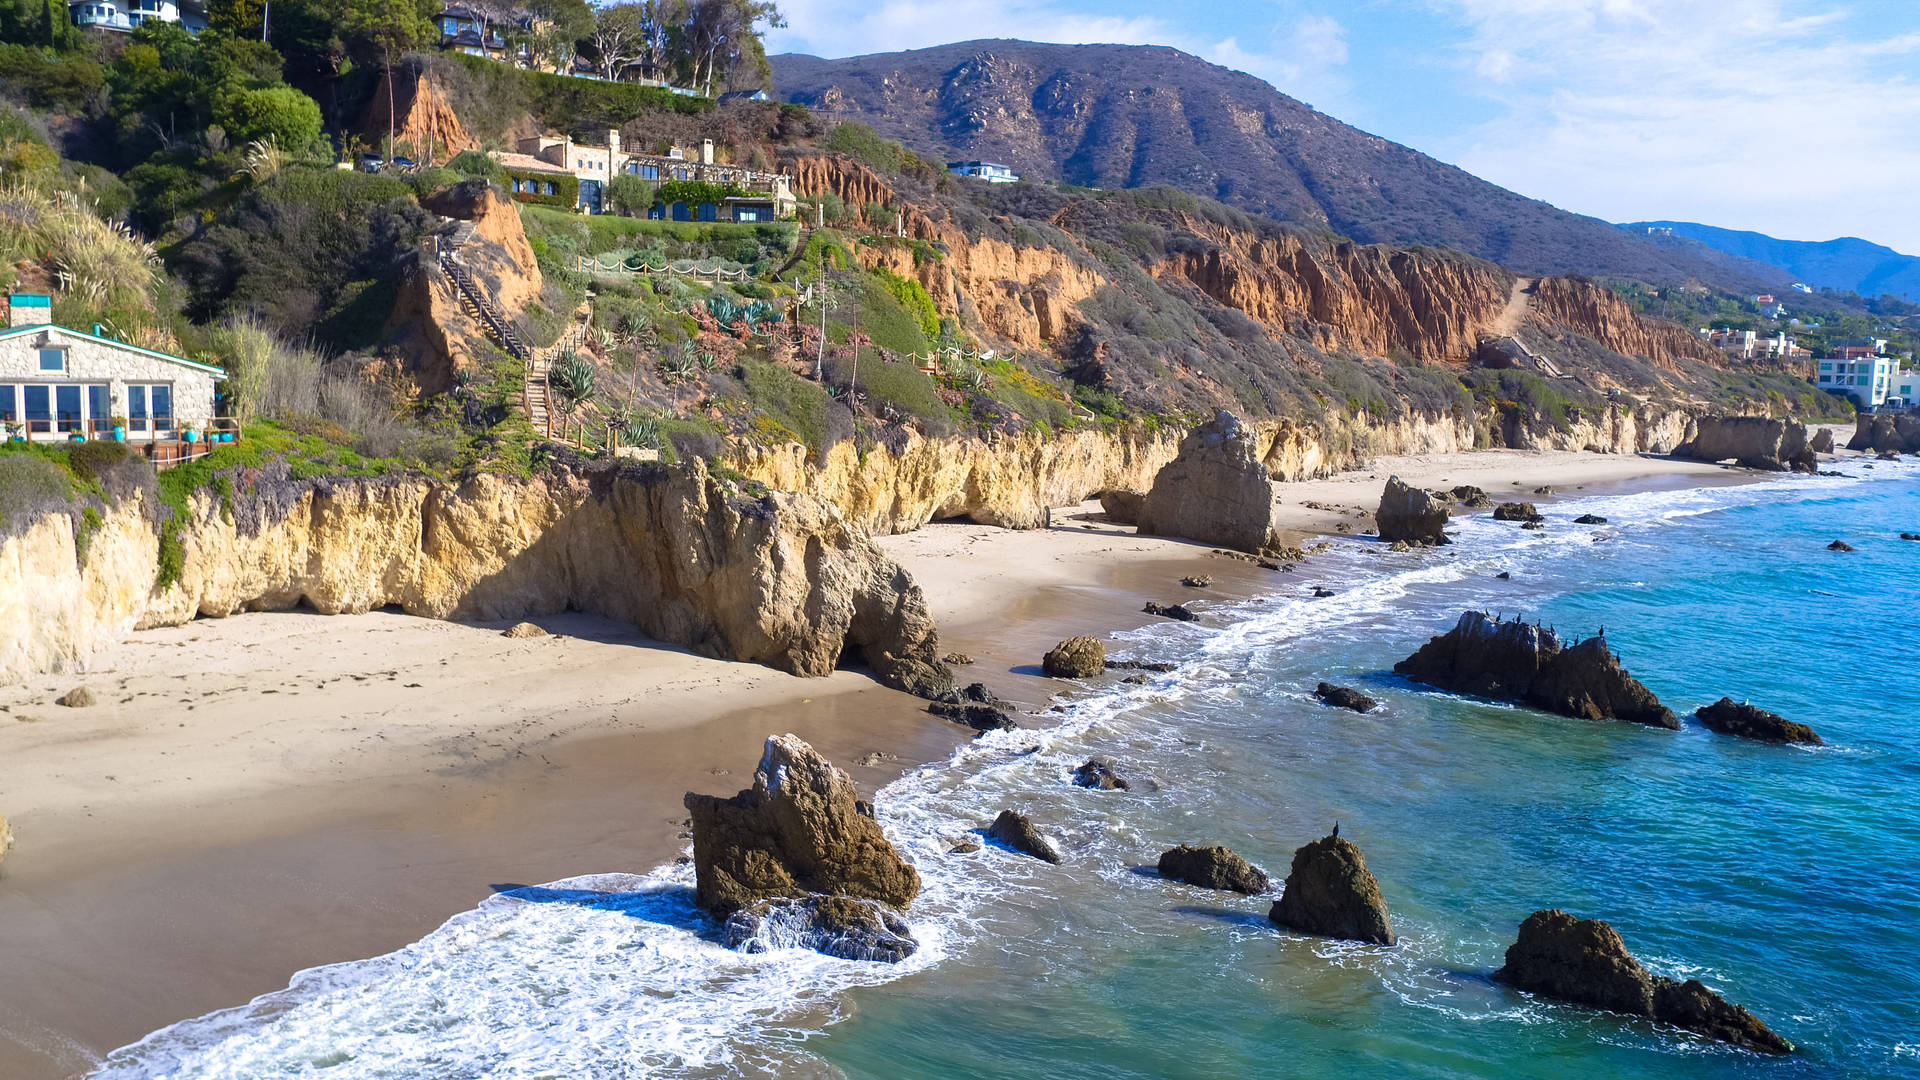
(799, 406)
(865, 145)
(914, 298)
(280, 114)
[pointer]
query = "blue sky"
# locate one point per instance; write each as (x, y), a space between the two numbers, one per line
(1798, 118)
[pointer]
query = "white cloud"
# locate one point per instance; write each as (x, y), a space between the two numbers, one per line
(1764, 114)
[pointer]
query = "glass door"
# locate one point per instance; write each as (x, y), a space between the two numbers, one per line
(39, 408)
(137, 408)
(66, 406)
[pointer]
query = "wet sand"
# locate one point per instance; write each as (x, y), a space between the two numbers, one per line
(277, 791)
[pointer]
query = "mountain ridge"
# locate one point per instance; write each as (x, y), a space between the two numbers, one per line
(1846, 262)
(1140, 115)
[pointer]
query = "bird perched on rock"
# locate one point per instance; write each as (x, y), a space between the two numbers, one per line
(1336, 829)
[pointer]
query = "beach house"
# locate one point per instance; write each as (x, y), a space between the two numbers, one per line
(59, 384)
(991, 171)
(558, 170)
(1867, 379)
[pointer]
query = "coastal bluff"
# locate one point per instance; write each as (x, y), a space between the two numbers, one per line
(779, 579)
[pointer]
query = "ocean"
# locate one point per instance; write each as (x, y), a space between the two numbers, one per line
(1786, 878)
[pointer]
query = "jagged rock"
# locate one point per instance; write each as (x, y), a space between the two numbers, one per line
(1589, 519)
(1411, 515)
(77, 698)
(1137, 680)
(1075, 658)
(1886, 455)
(523, 630)
(1504, 575)
(1887, 433)
(1344, 697)
(1471, 497)
(1754, 442)
(1584, 961)
(1017, 832)
(976, 707)
(1099, 774)
(1910, 536)
(1141, 665)
(1534, 524)
(966, 845)
(1197, 581)
(1122, 505)
(1171, 611)
(1729, 717)
(1543, 491)
(1822, 441)
(839, 926)
(1213, 868)
(1330, 892)
(797, 830)
(958, 659)
(1839, 545)
(1524, 662)
(1322, 591)
(1216, 491)
(1516, 511)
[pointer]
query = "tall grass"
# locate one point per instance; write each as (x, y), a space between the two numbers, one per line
(101, 261)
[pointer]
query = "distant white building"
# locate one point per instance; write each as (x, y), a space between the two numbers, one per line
(126, 15)
(1868, 380)
(991, 172)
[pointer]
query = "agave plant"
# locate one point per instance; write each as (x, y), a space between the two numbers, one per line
(679, 363)
(641, 430)
(571, 377)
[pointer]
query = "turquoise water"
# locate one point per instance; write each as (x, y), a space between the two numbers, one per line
(1787, 878)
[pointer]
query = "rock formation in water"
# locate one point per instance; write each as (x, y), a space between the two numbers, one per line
(1525, 662)
(779, 579)
(1330, 892)
(1729, 717)
(842, 926)
(1171, 611)
(1839, 545)
(1122, 505)
(1017, 832)
(1213, 868)
(1411, 515)
(1887, 433)
(976, 707)
(1753, 442)
(1217, 491)
(1075, 658)
(1099, 774)
(1589, 519)
(1470, 497)
(797, 830)
(1344, 697)
(1584, 961)
(1516, 511)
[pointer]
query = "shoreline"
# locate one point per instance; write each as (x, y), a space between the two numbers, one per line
(446, 760)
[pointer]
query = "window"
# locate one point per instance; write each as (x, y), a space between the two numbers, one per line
(645, 172)
(53, 359)
(449, 27)
(9, 409)
(1826, 367)
(137, 408)
(150, 407)
(1859, 380)
(66, 406)
(550, 189)
(39, 406)
(99, 416)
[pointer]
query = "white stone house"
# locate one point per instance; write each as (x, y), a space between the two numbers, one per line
(57, 382)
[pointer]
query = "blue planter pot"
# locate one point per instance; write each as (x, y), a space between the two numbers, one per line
(119, 434)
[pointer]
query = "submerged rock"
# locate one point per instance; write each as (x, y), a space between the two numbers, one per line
(1910, 536)
(835, 925)
(976, 716)
(1584, 961)
(1344, 697)
(1075, 658)
(1516, 511)
(1729, 717)
(1213, 868)
(1411, 515)
(1839, 545)
(797, 830)
(523, 630)
(1330, 892)
(1589, 519)
(1017, 832)
(1171, 611)
(1217, 490)
(1141, 665)
(1099, 774)
(1122, 505)
(1535, 523)
(1524, 662)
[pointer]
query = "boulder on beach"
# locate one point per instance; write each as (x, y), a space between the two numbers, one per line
(77, 698)
(1839, 545)
(1017, 832)
(1100, 775)
(1516, 511)
(842, 926)
(1331, 893)
(1753, 442)
(523, 630)
(1171, 611)
(1513, 660)
(1213, 868)
(1122, 505)
(975, 706)
(1729, 717)
(1822, 441)
(1217, 490)
(1887, 432)
(1344, 697)
(1470, 497)
(799, 829)
(1075, 658)
(958, 659)
(1585, 962)
(1198, 581)
(1411, 515)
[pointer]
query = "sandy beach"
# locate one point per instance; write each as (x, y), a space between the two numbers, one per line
(269, 792)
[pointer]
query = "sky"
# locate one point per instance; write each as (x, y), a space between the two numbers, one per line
(1796, 118)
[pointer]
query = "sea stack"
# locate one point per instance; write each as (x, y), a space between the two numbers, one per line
(1330, 892)
(1524, 662)
(1729, 717)
(1410, 515)
(797, 830)
(1212, 868)
(1585, 961)
(1217, 490)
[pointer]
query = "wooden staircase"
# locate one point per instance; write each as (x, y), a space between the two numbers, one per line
(536, 396)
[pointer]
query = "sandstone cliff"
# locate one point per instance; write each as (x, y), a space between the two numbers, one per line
(781, 580)
(439, 334)
(1602, 315)
(422, 118)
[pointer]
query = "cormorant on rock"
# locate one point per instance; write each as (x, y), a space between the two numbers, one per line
(1336, 828)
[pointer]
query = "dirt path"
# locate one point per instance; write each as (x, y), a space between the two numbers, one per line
(1518, 304)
